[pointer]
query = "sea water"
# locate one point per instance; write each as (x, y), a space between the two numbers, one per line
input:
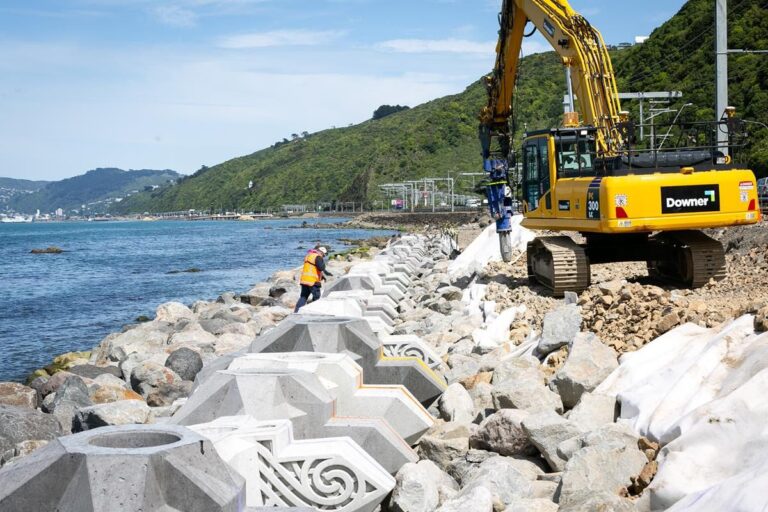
(113, 272)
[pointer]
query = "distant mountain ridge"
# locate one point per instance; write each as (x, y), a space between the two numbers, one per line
(97, 189)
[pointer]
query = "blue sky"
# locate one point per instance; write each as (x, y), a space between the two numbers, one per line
(183, 83)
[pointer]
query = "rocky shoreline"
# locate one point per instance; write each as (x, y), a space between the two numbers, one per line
(533, 416)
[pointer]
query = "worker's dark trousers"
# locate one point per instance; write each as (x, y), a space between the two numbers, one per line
(306, 291)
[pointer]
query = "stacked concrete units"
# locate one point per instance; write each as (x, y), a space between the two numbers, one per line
(319, 413)
(352, 336)
(343, 378)
(335, 473)
(127, 468)
(296, 395)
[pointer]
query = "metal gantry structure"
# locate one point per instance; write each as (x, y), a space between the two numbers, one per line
(425, 193)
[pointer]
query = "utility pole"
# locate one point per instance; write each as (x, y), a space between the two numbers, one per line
(721, 51)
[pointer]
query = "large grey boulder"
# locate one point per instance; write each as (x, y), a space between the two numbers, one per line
(185, 362)
(526, 394)
(21, 424)
(149, 375)
(173, 312)
(476, 499)
(461, 367)
(500, 476)
(559, 329)
(589, 363)
(445, 442)
(72, 395)
(503, 433)
(19, 395)
(593, 411)
(596, 469)
(128, 468)
(418, 487)
(546, 431)
(456, 404)
(518, 369)
(124, 412)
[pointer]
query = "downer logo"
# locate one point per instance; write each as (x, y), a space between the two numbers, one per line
(690, 199)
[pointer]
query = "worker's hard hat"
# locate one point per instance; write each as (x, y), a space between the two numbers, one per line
(323, 250)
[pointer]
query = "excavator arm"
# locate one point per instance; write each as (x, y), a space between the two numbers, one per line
(590, 79)
(583, 53)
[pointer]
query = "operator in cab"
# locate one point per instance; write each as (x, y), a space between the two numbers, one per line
(312, 275)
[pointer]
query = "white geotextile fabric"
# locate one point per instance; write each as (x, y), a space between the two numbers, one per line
(485, 248)
(496, 328)
(701, 393)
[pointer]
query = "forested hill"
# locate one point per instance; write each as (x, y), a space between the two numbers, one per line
(680, 56)
(96, 189)
(348, 164)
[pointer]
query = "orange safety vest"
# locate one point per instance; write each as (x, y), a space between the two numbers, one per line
(310, 274)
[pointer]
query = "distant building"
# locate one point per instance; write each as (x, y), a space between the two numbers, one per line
(640, 39)
(59, 212)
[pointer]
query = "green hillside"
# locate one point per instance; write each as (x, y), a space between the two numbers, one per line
(12, 187)
(680, 56)
(97, 189)
(439, 137)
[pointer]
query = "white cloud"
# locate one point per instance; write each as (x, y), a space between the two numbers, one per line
(175, 16)
(280, 38)
(436, 46)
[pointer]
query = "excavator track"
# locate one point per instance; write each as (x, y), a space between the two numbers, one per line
(691, 258)
(558, 263)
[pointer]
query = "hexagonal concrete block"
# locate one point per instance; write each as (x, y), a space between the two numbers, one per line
(367, 297)
(343, 378)
(332, 474)
(126, 468)
(410, 345)
(299, 396)
(352, 336)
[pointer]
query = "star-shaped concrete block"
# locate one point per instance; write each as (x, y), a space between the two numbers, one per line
(126, 468)
(366, 282)
(353, 336)
(299, 396)
(332, 474)
(344, 380)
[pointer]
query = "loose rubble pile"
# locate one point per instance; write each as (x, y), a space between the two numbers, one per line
(416, 384)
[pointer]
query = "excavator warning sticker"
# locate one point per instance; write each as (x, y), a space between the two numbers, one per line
(593, 199)
(690, 199)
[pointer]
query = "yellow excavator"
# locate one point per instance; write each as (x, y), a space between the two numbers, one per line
(629, 202)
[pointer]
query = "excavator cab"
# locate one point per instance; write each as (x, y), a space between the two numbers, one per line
(551, 155)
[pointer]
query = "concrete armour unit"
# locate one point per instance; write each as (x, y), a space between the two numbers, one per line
(367, 282)
(368, 297)
(343, 378)
(125, 468)
(410, 345)
(349, 307)
(332, 474)
(353, 336)
(294, 395)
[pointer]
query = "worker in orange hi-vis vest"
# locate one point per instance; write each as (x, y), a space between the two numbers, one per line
(312, 274)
